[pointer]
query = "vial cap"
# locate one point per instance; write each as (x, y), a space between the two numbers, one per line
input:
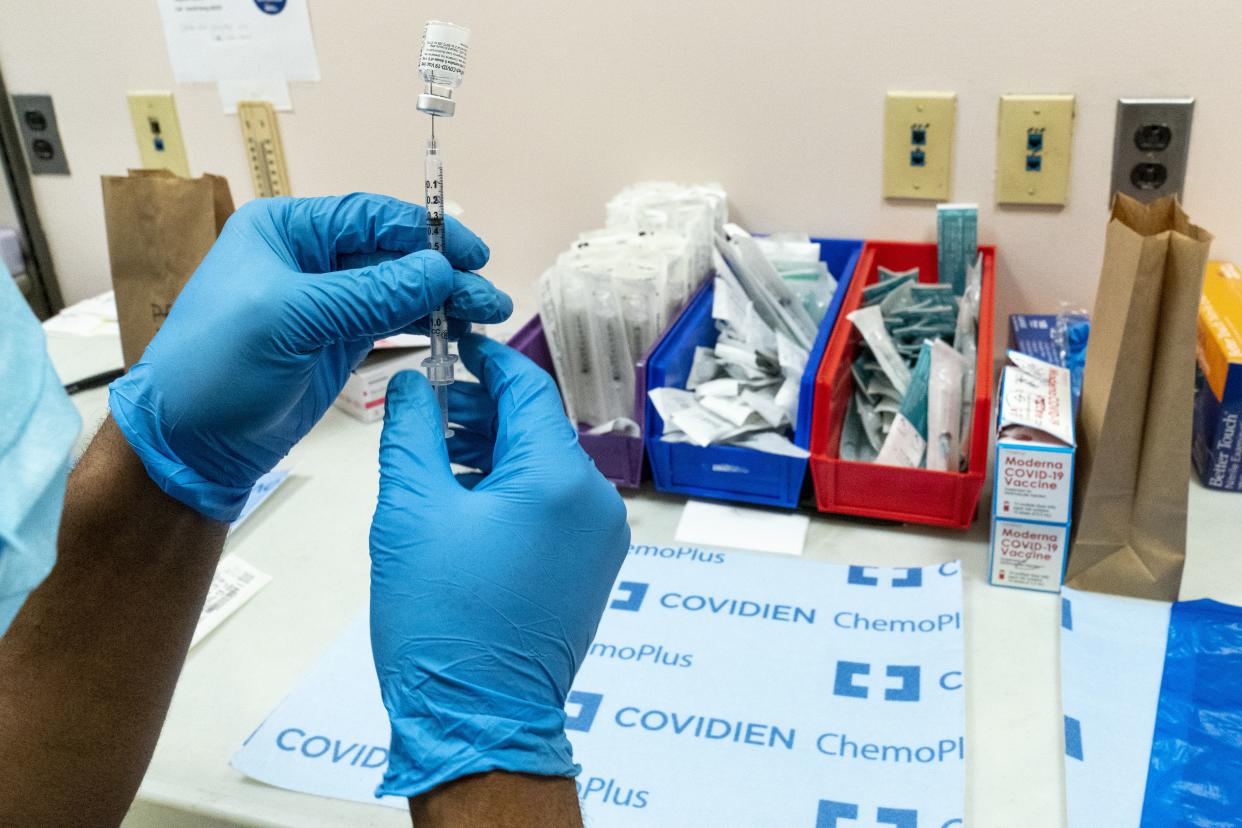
(436, 105)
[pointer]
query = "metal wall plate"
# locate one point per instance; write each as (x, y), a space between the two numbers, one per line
(918, 144)
(40, 136)
(1034, 134)
(1150, 146)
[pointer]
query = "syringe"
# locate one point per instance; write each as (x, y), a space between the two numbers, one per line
(439, 365)
(441, 64)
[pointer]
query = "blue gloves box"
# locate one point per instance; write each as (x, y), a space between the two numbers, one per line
(1036, 334)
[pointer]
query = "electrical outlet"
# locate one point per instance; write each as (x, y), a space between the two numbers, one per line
(36, 118)
(1034, 133)
(918, 144)
(158, 132)
(1150, 146)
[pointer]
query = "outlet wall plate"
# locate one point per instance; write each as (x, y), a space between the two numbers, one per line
(918, 144)
(1033, 138)
(36, 118)
(157, 129)
(1150, 147)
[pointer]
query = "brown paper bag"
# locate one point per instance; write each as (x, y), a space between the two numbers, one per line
(1133, 465)
(160, 226)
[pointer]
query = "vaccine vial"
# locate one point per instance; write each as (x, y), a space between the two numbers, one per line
(442, 65)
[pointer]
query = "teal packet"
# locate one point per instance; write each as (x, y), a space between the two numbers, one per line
(859, 369)
(899, 299)
(940, 292)
(922, 331)
(914, 404)
(875, 293)
(886, 274)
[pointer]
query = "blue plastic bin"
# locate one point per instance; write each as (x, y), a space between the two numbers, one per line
(732, 472)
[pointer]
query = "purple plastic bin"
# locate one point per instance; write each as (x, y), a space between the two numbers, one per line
(619, 457)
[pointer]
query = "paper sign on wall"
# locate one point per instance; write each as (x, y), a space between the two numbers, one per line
(722, 688)
(239, 40)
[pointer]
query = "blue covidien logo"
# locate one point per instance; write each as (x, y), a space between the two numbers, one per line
(902, 681)
(868, 576)
(630, 596)
(1073, 738)
(588, 706)
(831, 812)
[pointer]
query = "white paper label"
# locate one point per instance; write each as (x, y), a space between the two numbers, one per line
(703, 427)
(766, 407)
(903, 446)
(444, 52)
(1036, 394)
(730, 409)
(1033, 484)
(870, 324)
(727, 306)
(234, 583)
(703, 369)
(238, 40)
(718, 524)
(723, 387)
(787, 397)
(1028, 555)
(669, 401)
(944, 408)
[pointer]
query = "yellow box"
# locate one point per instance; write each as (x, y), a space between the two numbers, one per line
(1220, 324)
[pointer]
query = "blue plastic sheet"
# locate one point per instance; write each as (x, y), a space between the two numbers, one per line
(1195, 772)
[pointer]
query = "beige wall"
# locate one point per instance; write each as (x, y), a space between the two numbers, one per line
(565, 102)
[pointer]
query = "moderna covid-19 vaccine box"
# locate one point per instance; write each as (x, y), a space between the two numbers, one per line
(1032, 500)
(1217, 445)
(367, 387)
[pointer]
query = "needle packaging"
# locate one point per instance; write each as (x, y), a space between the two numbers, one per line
(913, 394)
(613, 291)
(744, 391)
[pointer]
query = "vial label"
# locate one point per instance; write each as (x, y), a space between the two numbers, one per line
(443, 59)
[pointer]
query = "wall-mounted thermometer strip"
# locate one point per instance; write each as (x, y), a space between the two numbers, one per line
(264, 150)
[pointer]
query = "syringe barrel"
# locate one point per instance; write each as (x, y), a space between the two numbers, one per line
(439, 366)
(434, 178)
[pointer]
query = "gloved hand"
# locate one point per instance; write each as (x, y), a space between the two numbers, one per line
(264, 335)
(484, 600)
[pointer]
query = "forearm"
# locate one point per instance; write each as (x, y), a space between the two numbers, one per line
(505, 800)
(88, 667)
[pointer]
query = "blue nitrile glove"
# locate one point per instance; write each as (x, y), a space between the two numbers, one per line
(484, 600)
(264, 335)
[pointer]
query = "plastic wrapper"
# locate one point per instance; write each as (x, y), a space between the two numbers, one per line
(1194, 776)
(746, 388)
(905, 370)
(613, 292)
(870, 323)
(907, 436)
(944, 405)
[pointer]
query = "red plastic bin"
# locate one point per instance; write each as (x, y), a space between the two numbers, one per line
(923, 496)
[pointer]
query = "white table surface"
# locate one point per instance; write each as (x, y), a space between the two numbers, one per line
(311, 537)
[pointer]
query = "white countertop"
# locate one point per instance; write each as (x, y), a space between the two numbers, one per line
(311, 537)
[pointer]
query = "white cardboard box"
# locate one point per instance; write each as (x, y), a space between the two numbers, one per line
(365, 390)
(1033, 494)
